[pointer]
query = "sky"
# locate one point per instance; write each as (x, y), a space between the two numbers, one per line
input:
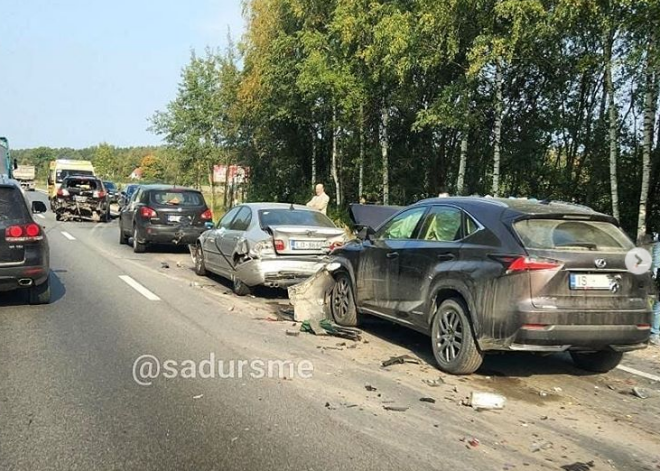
(75, 73)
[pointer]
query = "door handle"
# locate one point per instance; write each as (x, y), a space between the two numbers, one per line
(446, 257)
(392, 255)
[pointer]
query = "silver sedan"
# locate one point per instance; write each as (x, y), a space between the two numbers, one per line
(272, 244)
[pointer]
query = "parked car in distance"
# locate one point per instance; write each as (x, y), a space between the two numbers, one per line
(163, 214)
(113, 192)
(81, 197)
(272, 244)
(24, 252)
(126, 194)
(485, 274)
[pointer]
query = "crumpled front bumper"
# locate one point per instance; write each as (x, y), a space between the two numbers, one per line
(279, 272)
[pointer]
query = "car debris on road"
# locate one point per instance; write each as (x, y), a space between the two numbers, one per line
(483, 401)
(400, 360)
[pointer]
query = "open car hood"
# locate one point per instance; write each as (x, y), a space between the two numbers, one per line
(371, 215)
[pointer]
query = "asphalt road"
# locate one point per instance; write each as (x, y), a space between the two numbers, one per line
(69, 398)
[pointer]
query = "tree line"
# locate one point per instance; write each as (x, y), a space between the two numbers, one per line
(395, 101)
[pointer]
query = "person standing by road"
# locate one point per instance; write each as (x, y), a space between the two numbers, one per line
(655, 270)
(320, 200)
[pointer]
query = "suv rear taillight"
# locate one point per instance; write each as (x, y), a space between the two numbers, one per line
(532, 264)
(148, 213)
(27, 233)
(207, 215)
(99, 194)
(335, 245)
(279, 245)
(62, 192)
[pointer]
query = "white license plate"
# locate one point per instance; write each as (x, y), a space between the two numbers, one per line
(306, 244)
(588, 282)
(174, 218)
(80, 199)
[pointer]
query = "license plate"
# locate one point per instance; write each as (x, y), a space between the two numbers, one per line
(80, 199)
(580, 281)
(306, 244)
(174, 218)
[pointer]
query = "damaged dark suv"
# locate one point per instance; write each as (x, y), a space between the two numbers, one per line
(485, 274)
(81, 197)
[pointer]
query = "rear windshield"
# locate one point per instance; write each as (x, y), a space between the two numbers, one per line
(295, 217)
(82, 183)
(177, 198)
(3, 161)
(552, 234)
(62, 174)
(130, 189)
(109, 186)
(12, 205)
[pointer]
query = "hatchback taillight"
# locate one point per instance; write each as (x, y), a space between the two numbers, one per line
(279, 245)
(148, 213)
(27, 233)
(62, 192)
(207, 215)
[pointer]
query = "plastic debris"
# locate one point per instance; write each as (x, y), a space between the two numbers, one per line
(396, 408)
(542, 445)
(430, 400)
(482, 401)
(434, 383)
(326, 327)
(369, 387)
(578, 466)
(292, 333)
(474, 442)
(400, 360)
(199, 396)
(640, 393)
(164, 265)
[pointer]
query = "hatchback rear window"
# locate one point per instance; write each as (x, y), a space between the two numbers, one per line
(83, 183)
(553, 234)
(177, 198)
(293, 217)
(12, 205)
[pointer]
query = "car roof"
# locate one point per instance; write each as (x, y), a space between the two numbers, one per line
(262, 206)
(517, 207)
(163, 187)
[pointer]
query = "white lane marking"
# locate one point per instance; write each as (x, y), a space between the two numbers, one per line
(633, 371)
(139, 288)
(41, 216)
(68, 236)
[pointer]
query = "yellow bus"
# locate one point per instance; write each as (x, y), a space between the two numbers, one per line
(62, 168)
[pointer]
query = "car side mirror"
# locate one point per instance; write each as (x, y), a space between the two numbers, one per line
(38, 207)
(366, 233)
(209, 225)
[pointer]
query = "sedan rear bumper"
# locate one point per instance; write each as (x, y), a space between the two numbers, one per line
(279, 272)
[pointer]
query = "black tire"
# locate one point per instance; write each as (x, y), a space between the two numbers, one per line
(137, 246)
(200, 266)
(598, 362)
(58, 217)
(452, 339)
(123, 239)
(40, 294)
(342, 302)
(240, 288)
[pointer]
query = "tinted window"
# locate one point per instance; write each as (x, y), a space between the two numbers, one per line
(81, 183)
(293, 217)
(471, 226)
(109, 186)
(242, 220)
(130, 189)
(62, 174)
(227, 218)
(551, 234)
(402, 226)
(176, 198)
(442, 224)
(12, 205)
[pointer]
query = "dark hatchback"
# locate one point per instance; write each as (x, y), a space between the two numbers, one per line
(485, 274)
(24, 252)
(163, 214)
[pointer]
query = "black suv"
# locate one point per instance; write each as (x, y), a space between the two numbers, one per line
(164, 214)
(24, 253)
(81, 197)
(485, 274)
